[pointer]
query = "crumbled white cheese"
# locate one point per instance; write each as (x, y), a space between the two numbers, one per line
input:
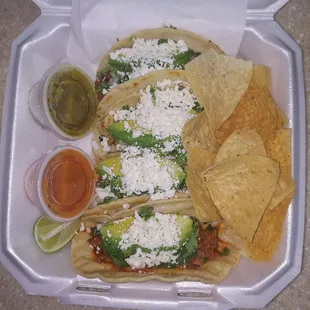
(160, 230)
(143, 171)
(91, 246)
(126, 206)
(104, 143)
(99, 226)
(166, 115)
(147, 55)
(163, 195)
(107, 170)
(88, 230)
(104, 91)
(155, 258)
(104, 192)
(82, 227)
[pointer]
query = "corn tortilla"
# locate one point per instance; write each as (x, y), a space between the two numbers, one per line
(194, 41)
(198, 160)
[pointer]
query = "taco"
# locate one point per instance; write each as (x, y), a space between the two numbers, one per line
(162, 241)
(148, 50)
(146, 126)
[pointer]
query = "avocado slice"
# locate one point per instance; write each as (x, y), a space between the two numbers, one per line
(111, 234)
(113, 231)
(113, 163)
(119, 133)
(186, 225)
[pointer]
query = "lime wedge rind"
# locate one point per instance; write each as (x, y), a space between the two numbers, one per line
(51, 236)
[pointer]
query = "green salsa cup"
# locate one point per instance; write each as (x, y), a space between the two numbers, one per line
(64, 102)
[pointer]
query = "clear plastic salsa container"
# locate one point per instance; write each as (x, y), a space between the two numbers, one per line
(62, 183)
(64, 102)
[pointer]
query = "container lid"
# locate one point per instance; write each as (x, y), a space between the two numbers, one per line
(254, 6)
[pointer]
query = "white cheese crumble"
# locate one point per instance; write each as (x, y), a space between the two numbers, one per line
(126, 206)
(104, 143)
(163, 115)
(147, 55)
(143, 171)
(104, 192)
(155, 258)
(161, 230)
(82, 227)
(104, 91)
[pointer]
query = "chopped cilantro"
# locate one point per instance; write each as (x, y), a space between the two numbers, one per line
(120, 66)
(197, 107)
(117, 39)
(107, 199)
(180, 60)
(210, 227)
(161, 41)
(225, 252)
(152, 91)
(182, 185)
(126, 107)
(189, 249)
(171, 27)
(116, 185)
(146, 212)
(95, 232)
(205, 259)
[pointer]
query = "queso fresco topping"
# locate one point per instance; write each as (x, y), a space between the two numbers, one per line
(152, 158)
(147, 240)
(163, 110)
(143, 57)
(139, 171)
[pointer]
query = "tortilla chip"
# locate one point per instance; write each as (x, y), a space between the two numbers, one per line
(280, 150)
(219, 82)
(241, 188)
(256, 110)
(282, 120)
(197, 133)
(198, 160)
(241, 142)
(268, 234)
(260, 77)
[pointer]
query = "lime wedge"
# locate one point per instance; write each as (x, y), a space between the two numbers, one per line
(51, 236)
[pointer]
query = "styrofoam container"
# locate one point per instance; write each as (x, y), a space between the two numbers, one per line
(250, 284)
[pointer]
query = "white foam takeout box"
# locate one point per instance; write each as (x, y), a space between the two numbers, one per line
(250, 285)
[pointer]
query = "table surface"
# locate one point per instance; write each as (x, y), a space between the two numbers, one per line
(16, 15)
